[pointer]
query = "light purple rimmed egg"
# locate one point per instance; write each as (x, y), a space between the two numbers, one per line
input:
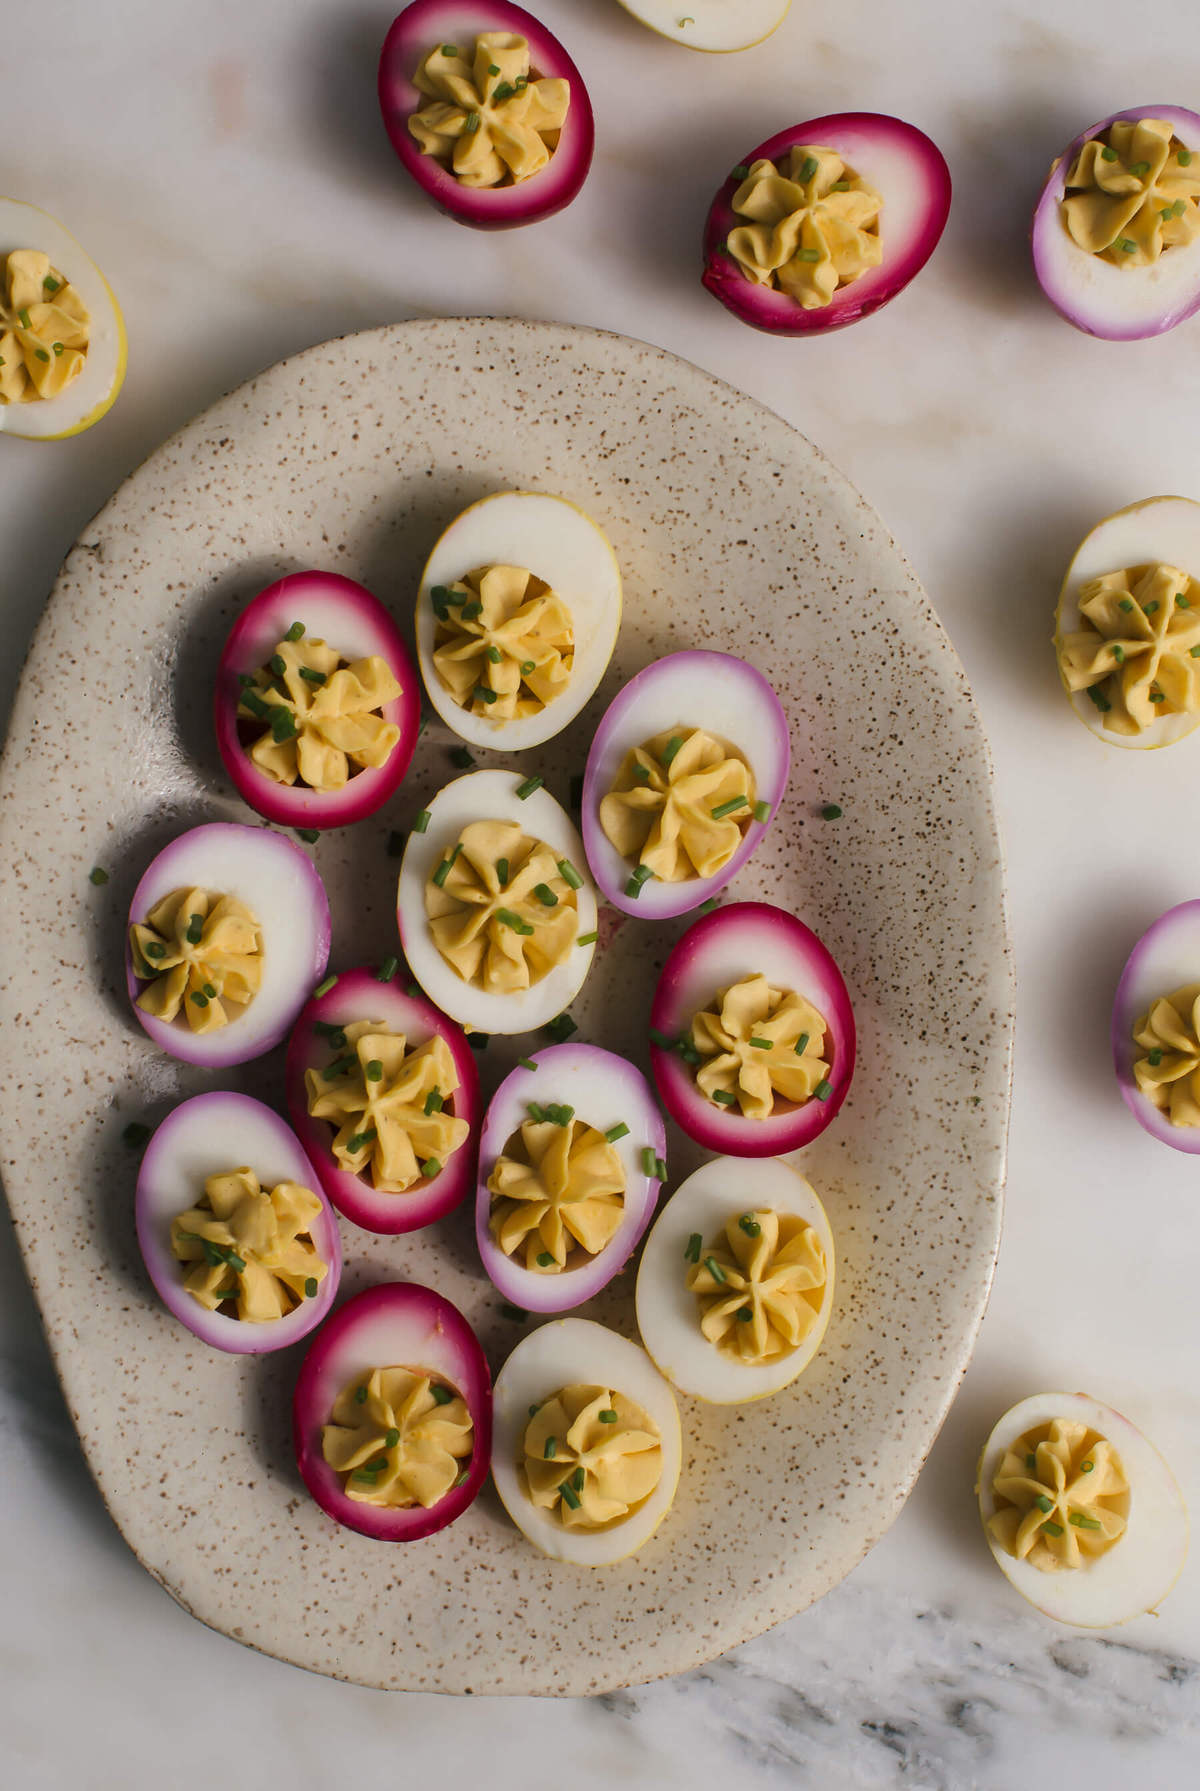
(1165, 958)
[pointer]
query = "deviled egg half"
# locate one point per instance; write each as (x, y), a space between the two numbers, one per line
(1156, 1029)
(317, 703)
(496, 911)
(1082, 1514)
(517, 617)
(570, 1166)
(62, 336)
(752, 1036)
(1127, 626)
(383, 1092)
(714, 25)
(392, 1414)
(235, 1231)
(228, 932)
(735, 1285)
(588, 1446)
(686, 770)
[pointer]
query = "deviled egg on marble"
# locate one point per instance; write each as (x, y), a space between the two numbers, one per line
(1156, 1029)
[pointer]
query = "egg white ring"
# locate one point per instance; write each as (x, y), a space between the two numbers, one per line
(577, 1352)
(604, 1090)
(210, 1135)
(1157, 530)
(1096, 1595)
(668, 1313)
(280, 886)
(561, 545)
(491, 796)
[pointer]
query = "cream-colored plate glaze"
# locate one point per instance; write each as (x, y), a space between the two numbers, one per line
(732, 531)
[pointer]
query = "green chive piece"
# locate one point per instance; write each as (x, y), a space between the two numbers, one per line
(99, 877)
(1156, 1057)
(642, 773)
(503, 90)
(831, 812)
(569, 1495)
(544, 1259)
(1031, 1462)
(662, 1040)
(1151, 606)
(808, 254)
(430, 1167)
(750, 1225)
(1126, 604)
(1084, 1523)
(709, 906)
(727, 808)
(525, 790)
(608, 1417)
(660, 1170)
(472, 124)
(324, 988)
(745, 1314)
(310, 676)
(809, 167)
(310, 1288)
(577, 1478)
(329, 1029)
(209, 991)
(587, 938)
(550, 1450)
(1167, 213)
(1139, 168)
(252, 701)
(762, 811)
(670, 749)
(483, 695)
(1102, 703)
(40, 354)
(648, 1160)
(1108, 154)
(534, 1410)
(763, 1044)
(715, 1270)
(1195, 652)
(1156, 696)
(507, 918)
(824, 1089)
(536, 1112)
(295, 632)
(360, 1395)
(692, 1252)
(24, 318)
(195, 928)
(1183, 601)
(561, 1115)
(840, 186)
(527, 1063)
(445, 867)
(461, 757)
(618, 1131)
(802, 1044)
(283, 725)
(1127, 245)
(1119, 654)
(57, 347)
(545, 895)
(433, 1102)
(340, 1067)
(50, 284)
(527, 666)
(441, 1394)
(471, 611)
(374, 1070)
(360, 1140)
(502, 871)
(1052, 1529)
(642, 874)
(741, 172)
(479, 1041)
(1085, 1467)
(387, 970)
(277, 664)
(200, 999)
(725, 1099)
(1184, 158)
(1043, 1503)
(562, 1027)
(135, 1134)
(153, 949)
(494, 654)
(569, 874)
(421, 820)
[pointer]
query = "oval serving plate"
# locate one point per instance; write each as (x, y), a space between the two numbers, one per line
(906, 889)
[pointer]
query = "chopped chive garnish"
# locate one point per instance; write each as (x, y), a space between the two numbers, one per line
(745, 1314)
(1182, 601)
(40, 354)
(277, 664)
(1167, 213)
(1127, 245)
(1184, 158)
(341, 1066)
(569, 874)
(762, 811)
(1043, 1503)
(1195, 652)
(642, 874)
(1156, 696)
(392, 1438)
(1084, 1523)
(471, 611)
(482, 694)
(740, 172)
(295, 632)
(507, 918)
(431, 1167)
(1156, 1057)
(1108, 154)
(544, 1259)
(715, 1270)
(563, 1115)
(536, 1112)
(99, 877)
(726, 1099)
(472, 124)
(620, 1130)
(576, 790)
(648, 1160)
(283, 725)
(727, 808)
(1052, 1529)
(642, 773)
(444, 868)
(550, 1449)
(1031, 1462)
(525, 790)
(527, 1063)
(479, 1041)
(587, 938)
(709, 906)
(545, 895)
(762, 1044)
(1151, 606)
(433, 1102)
(569, 1495)
(152, 949)
(1119, 653)
(662, 1040)
(210, 991)
(824, 1089)
(135, 1133)
(809, 167)
(461, 757)
(324, 988)
(670, 749)
(1102, 703)
(50, 284)
(252, 701)
(1139, 168)
(692, 1251)
(449, 49)
(493, 69)
(750, 1225)
(534, 1410)
(831, 811)
(1127, 604)
(441, 1394)
(502, 871)
(808, 254)
(577, 1478)
(57, 347)
(503, 90)
(660, 1170)
(840, 186)
(200, 999)
(527, 666)
(494, 654)
(310, 676)
(360, 1140)
(608, 1417)
(360, 1395)
(195, 928)
(1085, 1467)
(562, 1027)
(387, 970)
(310, 1288)
(24, 317)
(374, 1070)
(802, 1044)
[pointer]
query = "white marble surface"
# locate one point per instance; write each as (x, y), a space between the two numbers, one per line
(226, 165)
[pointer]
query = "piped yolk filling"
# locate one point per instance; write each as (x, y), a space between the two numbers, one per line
(1168, 1072)
(320, 715)
(814, 225)
(200, 955)
(250, 1247)
(398, 1437)
(501, 911)
(1062, 1498)
(759, 1045)
(680, 805)
(760, 1285)
(558, 1193)
(387, 1104)
(44, 329)
(1133, 193)
(590, 1457)
(1138, 653)
(504, 643)
(491, 120)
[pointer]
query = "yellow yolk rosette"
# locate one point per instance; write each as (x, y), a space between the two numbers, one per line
(250, 1245)
(679, 805)
(557, 1194)
(387, 1105)
(500, 911)
(1133, 193)
(320, 717)
(44, 329)
(490, 120)
(590, 1457)
(757, 1045)
(1061, 1496)
(760, 1286)
(399, 1438)
(199, 953)
(1138, 655)
(813, 225)
(1167, 1069)
(504, 642)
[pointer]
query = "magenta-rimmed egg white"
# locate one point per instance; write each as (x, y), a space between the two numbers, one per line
(210, 1135)
(1118, 304)
(728, 698)
(605, 1092)
(900, 162)
(748, 939)
(280, 885)
(360, 995)
(420, 28)
(1165, 958)
(355, 624)
(396, 1325)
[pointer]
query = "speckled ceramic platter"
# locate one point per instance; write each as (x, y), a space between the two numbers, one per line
(732, 531)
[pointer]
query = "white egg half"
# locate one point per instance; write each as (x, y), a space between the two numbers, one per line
(491, 796)
(576, 1352)
(1158, 530)
(718, 25)
(562, 546)
(88, 396)
(668, 1314)
(1136, 1574)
